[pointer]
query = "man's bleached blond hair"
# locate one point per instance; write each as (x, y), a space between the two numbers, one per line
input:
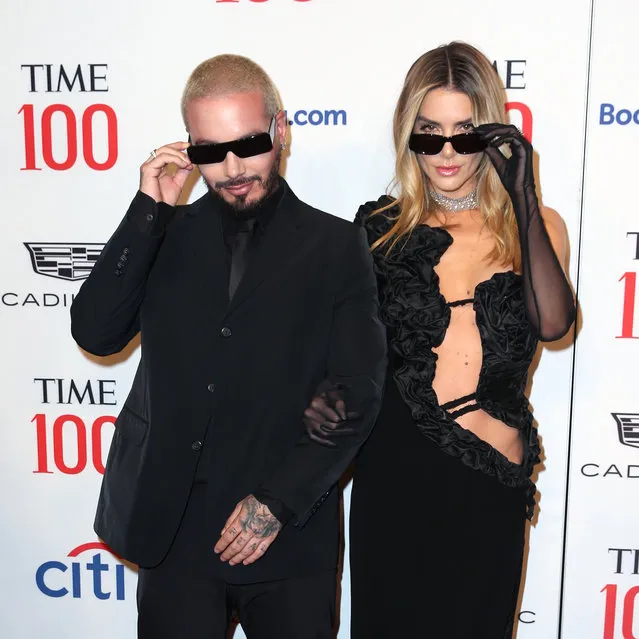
(227, 73)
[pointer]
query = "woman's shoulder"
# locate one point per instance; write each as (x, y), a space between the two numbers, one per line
(377, 216)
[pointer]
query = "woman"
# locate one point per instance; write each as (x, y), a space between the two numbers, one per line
(470, 278)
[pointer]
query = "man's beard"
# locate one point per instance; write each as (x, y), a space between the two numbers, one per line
(239, 203)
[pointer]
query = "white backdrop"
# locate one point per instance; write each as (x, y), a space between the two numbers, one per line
(73, 144)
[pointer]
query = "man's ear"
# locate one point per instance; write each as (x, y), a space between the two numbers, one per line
(281, 126)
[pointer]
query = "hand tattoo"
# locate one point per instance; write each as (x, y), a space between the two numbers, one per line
(258, 519)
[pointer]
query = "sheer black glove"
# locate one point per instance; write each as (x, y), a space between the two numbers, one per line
(548, 298)
(326, 416)
(516, 172)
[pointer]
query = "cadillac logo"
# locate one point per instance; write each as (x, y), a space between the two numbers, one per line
(628, 428)
(69, 261)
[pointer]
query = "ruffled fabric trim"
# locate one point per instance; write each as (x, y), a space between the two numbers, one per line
(417, 317)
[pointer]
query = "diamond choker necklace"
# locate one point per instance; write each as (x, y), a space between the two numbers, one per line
(454, 204)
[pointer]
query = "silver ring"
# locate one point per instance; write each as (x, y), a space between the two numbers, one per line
(154, 154)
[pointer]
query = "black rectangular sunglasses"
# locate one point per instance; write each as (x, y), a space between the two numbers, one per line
(244, 148)
(428, 144)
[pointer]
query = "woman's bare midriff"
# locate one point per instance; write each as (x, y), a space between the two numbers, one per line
(462, 267)
(456, 375)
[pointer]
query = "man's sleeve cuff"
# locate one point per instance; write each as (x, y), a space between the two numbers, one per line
(149, 217)
(280, 511)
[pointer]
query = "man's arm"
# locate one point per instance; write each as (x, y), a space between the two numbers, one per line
(105, 312)
(356, 364)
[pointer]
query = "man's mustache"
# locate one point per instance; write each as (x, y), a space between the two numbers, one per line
(229, 184)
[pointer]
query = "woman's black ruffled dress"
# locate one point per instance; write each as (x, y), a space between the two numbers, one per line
(438, 515)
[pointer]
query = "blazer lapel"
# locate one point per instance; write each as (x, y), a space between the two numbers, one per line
(205, 236)
(281, 238)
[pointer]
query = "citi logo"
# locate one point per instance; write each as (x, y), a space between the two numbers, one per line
(78, 577)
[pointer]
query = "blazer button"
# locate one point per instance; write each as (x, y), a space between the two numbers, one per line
(226, 332)
(196, 445)
(211, 388)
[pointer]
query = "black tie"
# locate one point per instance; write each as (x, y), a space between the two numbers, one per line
(240, 254)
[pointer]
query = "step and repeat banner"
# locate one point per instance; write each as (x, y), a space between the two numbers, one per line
(601, 583)
(90, 89)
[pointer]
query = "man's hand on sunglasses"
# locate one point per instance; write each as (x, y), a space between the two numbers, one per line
(163, 175)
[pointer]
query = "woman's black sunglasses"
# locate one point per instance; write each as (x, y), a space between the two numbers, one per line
(243, 148)
(464, 143)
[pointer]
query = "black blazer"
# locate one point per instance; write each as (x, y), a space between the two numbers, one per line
(239, 374)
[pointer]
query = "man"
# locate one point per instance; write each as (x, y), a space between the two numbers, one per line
(249, 302)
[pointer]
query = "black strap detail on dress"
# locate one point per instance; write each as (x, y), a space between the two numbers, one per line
(453, 403)
(469, 300)
(462, 411)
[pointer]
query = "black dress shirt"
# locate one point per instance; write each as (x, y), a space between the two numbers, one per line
(231, 220)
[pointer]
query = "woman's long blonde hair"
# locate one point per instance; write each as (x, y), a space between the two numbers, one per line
(461, 67)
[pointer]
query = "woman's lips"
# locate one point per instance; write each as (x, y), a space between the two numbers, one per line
(448, 171)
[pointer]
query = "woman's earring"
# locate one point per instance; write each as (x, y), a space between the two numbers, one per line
(283, 146)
